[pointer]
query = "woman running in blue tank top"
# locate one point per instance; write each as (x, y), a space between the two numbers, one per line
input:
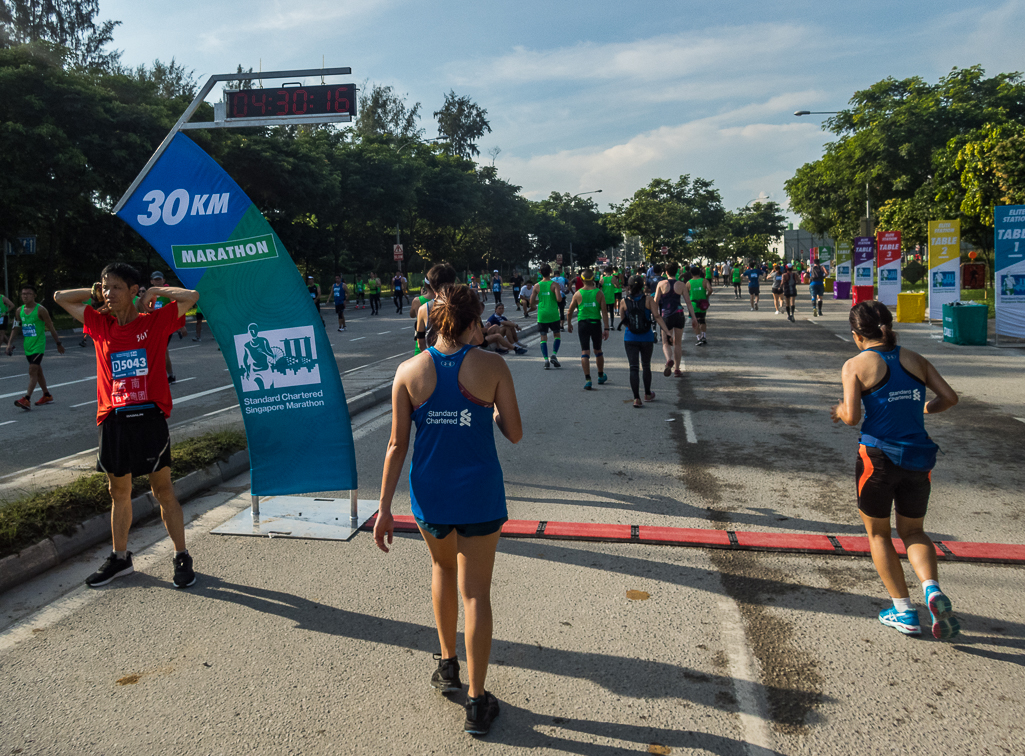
(895, 458)
(454, 393)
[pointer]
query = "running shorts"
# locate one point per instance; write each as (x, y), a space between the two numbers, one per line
(817, 288)
(199, 316)
(34, 359)
(882, 484)
(590, 333)
(555, 327)
(677, 319)
(134, 445)
(777, 289)
(340, 308)
(752, 289)
(699, 316)
(466, 531)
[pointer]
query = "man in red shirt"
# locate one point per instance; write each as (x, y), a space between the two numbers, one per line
(133, 403)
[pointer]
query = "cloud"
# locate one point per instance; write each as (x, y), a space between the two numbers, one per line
(724, 148)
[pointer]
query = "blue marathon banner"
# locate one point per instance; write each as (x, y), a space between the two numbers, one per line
(253, 297)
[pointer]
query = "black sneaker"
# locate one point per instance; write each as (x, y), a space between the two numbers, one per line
(171, 378)
(112, 568)
(446, 676)
(480, 713)
(555, 361)
(183, 573)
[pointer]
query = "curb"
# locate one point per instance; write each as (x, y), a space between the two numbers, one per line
(38, 558)
(737, 540)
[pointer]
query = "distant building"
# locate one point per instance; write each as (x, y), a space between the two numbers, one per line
(795, 243)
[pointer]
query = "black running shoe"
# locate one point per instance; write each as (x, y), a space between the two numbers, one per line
(480, 713)
(555, 361)
(446, 676)
(112, 568)
(171, 378)
(183, 573)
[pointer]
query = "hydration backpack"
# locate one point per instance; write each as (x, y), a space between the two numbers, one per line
(638, 317)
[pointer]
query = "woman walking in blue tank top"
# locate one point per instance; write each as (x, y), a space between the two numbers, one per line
(454, 393)
(895, 458)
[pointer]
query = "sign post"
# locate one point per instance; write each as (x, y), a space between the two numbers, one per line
(1009, 272)
(864, 269)
(888, 249)
(842, 284)
(944, 265)
(280, 360)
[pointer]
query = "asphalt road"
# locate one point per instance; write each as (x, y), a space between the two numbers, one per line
(365, 353)
(324, 648)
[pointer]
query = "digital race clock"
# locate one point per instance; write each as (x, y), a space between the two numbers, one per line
(331, 99)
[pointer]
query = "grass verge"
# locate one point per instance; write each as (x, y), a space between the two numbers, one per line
(32, 518)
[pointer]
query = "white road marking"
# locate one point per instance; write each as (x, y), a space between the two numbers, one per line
(842, 338)
(52, 385)
(382, 333)
(183, 380)
(47, 464)
(215, 412)
(20, 375)
(688, 427)
(82, 404)
(751, 704)
(1020, 419)
(353, 370)
(8, 422)
(178, 349)
(357, 338)
(190, 397)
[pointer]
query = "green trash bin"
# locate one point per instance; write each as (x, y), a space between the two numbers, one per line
(965, 324)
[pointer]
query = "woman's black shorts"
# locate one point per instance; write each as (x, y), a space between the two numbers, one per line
(882, 485)
(677, 319)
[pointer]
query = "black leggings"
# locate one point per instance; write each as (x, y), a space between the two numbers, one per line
(375, 303)
(638, 354)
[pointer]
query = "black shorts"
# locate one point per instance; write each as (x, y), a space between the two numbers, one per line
(466, 531)
(34, 359)
(699, 316)
(134, 443)
(752, 289)
(677, 319)
(555, 327)
(340, 308)
(199, 316)
(882, 484)
(590, 332)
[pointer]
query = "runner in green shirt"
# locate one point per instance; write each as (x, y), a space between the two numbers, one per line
(32, 319)
(609, 289)
(546, 295)
(361, 300)
(374, 289)
(6, 306)
(593, 326)
(735, 278)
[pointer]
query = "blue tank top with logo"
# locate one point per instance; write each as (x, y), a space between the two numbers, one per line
(455, 477)
(895, 410)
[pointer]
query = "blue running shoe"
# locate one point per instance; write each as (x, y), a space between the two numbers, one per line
(602, 378)
(905, 622)
(587, 385)
(944, 623)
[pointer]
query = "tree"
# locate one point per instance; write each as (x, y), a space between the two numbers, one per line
(749, 230)
(676, 215)
(462, 122)
(171, 81)
(562, 223)
(900, 140)
(381, 111)
(69, 24)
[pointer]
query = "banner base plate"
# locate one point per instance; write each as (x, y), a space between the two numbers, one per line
(300, 517)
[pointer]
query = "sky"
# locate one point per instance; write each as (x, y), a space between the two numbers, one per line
(601, 95)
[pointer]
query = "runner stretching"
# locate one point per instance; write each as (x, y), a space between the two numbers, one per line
(895, 459)
(133, 404)
(593, 327)
(638, 311)
(455, 394)
(547, 294)
(32, 319)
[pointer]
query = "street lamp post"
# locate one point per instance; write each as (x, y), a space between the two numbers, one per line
(572, 261)
(816, 112)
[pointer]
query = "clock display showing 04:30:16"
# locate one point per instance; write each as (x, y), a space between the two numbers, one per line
(337, 99)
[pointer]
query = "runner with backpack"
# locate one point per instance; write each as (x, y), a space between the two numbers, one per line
(638, 311)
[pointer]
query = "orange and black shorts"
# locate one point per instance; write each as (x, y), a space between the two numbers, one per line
(882, 485)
